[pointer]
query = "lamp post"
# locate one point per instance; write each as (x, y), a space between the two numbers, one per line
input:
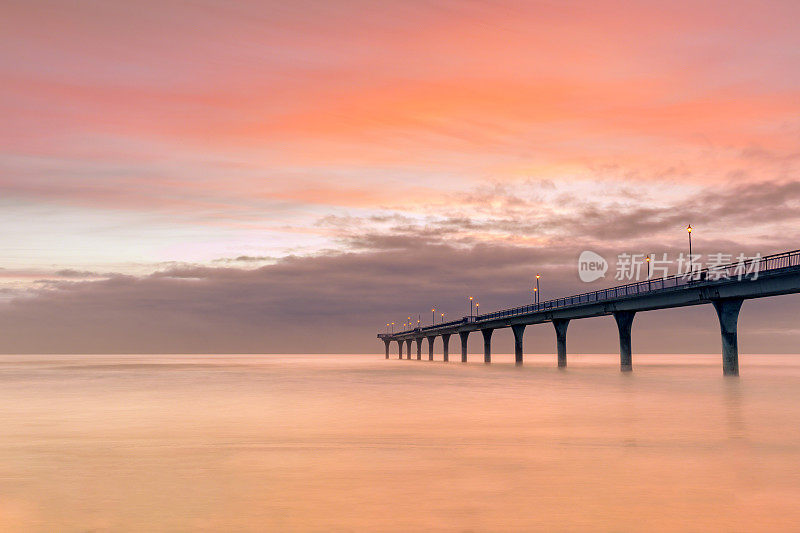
(648, 265)
(442, 322)
(691, 261)
(537, 288)
(433, 316)
(536, 295)
(470, 306)
(387, 327)
(392, 328)
(477, 309)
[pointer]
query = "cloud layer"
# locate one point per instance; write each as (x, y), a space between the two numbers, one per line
(337, 302)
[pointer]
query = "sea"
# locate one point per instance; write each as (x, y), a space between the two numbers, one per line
(329, 443)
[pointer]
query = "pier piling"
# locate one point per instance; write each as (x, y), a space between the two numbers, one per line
(728, 314)
(624, 322)
(561, 325)
(487, 344)
(518, 330)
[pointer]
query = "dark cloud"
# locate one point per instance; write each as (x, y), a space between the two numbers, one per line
(337, 302)
(742, 208)
(70, 273)
(245, 259)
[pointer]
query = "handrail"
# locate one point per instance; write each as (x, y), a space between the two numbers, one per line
(716, 273)
(444, 324)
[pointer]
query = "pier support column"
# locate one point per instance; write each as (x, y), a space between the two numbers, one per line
(419, 348)
(561, 340)
(518, 331)
(446, 344)
(387, 342)
(624, 322)
(400, 346)
(728, 313)
(430, 348)
(464, 335)
(487, 345)
(408, 348)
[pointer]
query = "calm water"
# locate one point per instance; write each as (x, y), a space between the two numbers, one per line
(358, 443)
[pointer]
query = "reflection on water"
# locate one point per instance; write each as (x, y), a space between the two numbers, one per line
(353, 443)
(733, 408)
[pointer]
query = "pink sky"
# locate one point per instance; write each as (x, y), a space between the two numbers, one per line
(140, 137)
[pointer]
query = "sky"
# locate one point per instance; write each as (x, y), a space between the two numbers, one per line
(285, 177)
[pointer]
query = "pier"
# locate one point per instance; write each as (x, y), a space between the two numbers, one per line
(725, 287)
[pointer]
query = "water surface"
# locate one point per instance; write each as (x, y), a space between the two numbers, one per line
(358, 443)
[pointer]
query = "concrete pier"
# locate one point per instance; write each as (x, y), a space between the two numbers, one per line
(487, 344)
(724, 286)
(408, 349)
(728, 314)
(419, 348)
(387, 342)
(624, 322)
(518, 330)
(446, 344)
(400, 349)
(561, 325)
